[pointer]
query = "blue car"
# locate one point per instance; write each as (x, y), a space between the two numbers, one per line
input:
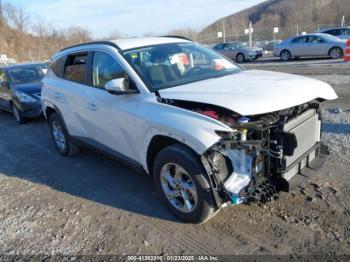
(340, 32)
(20, 90)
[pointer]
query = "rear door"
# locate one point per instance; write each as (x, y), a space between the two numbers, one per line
(317, 46)
(110, 118)
(66, 89)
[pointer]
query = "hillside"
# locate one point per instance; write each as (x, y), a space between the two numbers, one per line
(289, 15)
(25, 37)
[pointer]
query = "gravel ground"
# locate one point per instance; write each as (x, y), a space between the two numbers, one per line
(92, 205)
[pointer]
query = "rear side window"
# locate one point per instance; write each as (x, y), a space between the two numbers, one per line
(76, 68)
(58, 66)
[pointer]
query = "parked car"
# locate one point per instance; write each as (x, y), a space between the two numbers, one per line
(209, 132)
(20, 89)
(340, 32)
(239, 52)
(311, 45)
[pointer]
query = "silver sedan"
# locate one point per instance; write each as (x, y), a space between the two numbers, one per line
(311, 45)
(239, 52)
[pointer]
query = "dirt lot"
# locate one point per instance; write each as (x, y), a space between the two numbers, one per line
(91, 204)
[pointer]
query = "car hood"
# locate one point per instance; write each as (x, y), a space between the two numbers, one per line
(253, 92)
(29, 88)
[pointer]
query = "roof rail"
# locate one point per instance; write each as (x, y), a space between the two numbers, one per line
(177, 36)
(93, 43)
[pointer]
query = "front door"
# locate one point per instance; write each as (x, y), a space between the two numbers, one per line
(109, 118)
(299, 46)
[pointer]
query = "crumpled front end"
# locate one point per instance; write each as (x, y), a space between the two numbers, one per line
(265, 154)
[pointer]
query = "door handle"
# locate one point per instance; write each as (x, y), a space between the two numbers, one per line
(92, 106)
(56, 95)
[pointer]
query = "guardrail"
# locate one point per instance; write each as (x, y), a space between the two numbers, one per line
(347, 52)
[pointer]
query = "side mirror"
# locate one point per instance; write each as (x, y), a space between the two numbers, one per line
(119, 86)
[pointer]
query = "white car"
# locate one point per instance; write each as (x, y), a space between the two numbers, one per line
(209, 132)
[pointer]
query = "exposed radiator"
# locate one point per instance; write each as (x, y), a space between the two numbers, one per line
(307, 130)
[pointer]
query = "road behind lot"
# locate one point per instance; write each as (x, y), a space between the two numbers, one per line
(91, 204)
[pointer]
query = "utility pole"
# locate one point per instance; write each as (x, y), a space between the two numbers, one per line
(250, 35)
(343, 21)
(297, 30)
(223, 31)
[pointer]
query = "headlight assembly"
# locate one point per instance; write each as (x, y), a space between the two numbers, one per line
(23, 97)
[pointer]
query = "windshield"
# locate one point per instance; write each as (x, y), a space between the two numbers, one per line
(169, 65)
(28, 74)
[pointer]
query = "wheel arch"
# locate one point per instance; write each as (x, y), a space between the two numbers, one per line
(157, 143)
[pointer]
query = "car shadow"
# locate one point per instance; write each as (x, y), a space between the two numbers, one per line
(29, 154)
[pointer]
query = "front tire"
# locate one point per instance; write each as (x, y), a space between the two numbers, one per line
(285, 55)
(240, 58)
(180, 182)
(17, 114)
(63, 142)
(336, 53)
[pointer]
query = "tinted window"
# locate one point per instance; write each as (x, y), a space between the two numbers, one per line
(333, 32)
(345, 32)
(28, 74)
(219, 47)
(58, 66)
(300, 40)
(229, 47)
(315, 39)
(76, 67)
(104, 69)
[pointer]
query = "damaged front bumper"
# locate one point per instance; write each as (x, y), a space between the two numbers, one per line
(247, 171)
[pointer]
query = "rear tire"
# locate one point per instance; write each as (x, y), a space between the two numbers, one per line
(17, 114)
(240, 58)
(63, 142)
(336, 53)
(285, 56)
(180, 182)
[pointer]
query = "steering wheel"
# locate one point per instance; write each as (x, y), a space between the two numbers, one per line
(193, 71)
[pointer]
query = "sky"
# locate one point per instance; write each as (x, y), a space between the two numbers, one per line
(133, 17)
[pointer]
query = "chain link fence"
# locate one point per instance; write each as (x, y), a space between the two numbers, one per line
(263, 37)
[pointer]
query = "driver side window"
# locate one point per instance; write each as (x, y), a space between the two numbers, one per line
(105, 68)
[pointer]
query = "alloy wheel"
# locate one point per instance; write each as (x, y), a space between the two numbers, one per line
(58, 135)
(336, 53)
(179, 188)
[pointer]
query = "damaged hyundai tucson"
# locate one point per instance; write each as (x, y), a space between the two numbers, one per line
(211, 133)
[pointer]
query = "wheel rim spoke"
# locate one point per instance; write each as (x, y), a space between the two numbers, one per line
(178, 187)
(58, 135)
